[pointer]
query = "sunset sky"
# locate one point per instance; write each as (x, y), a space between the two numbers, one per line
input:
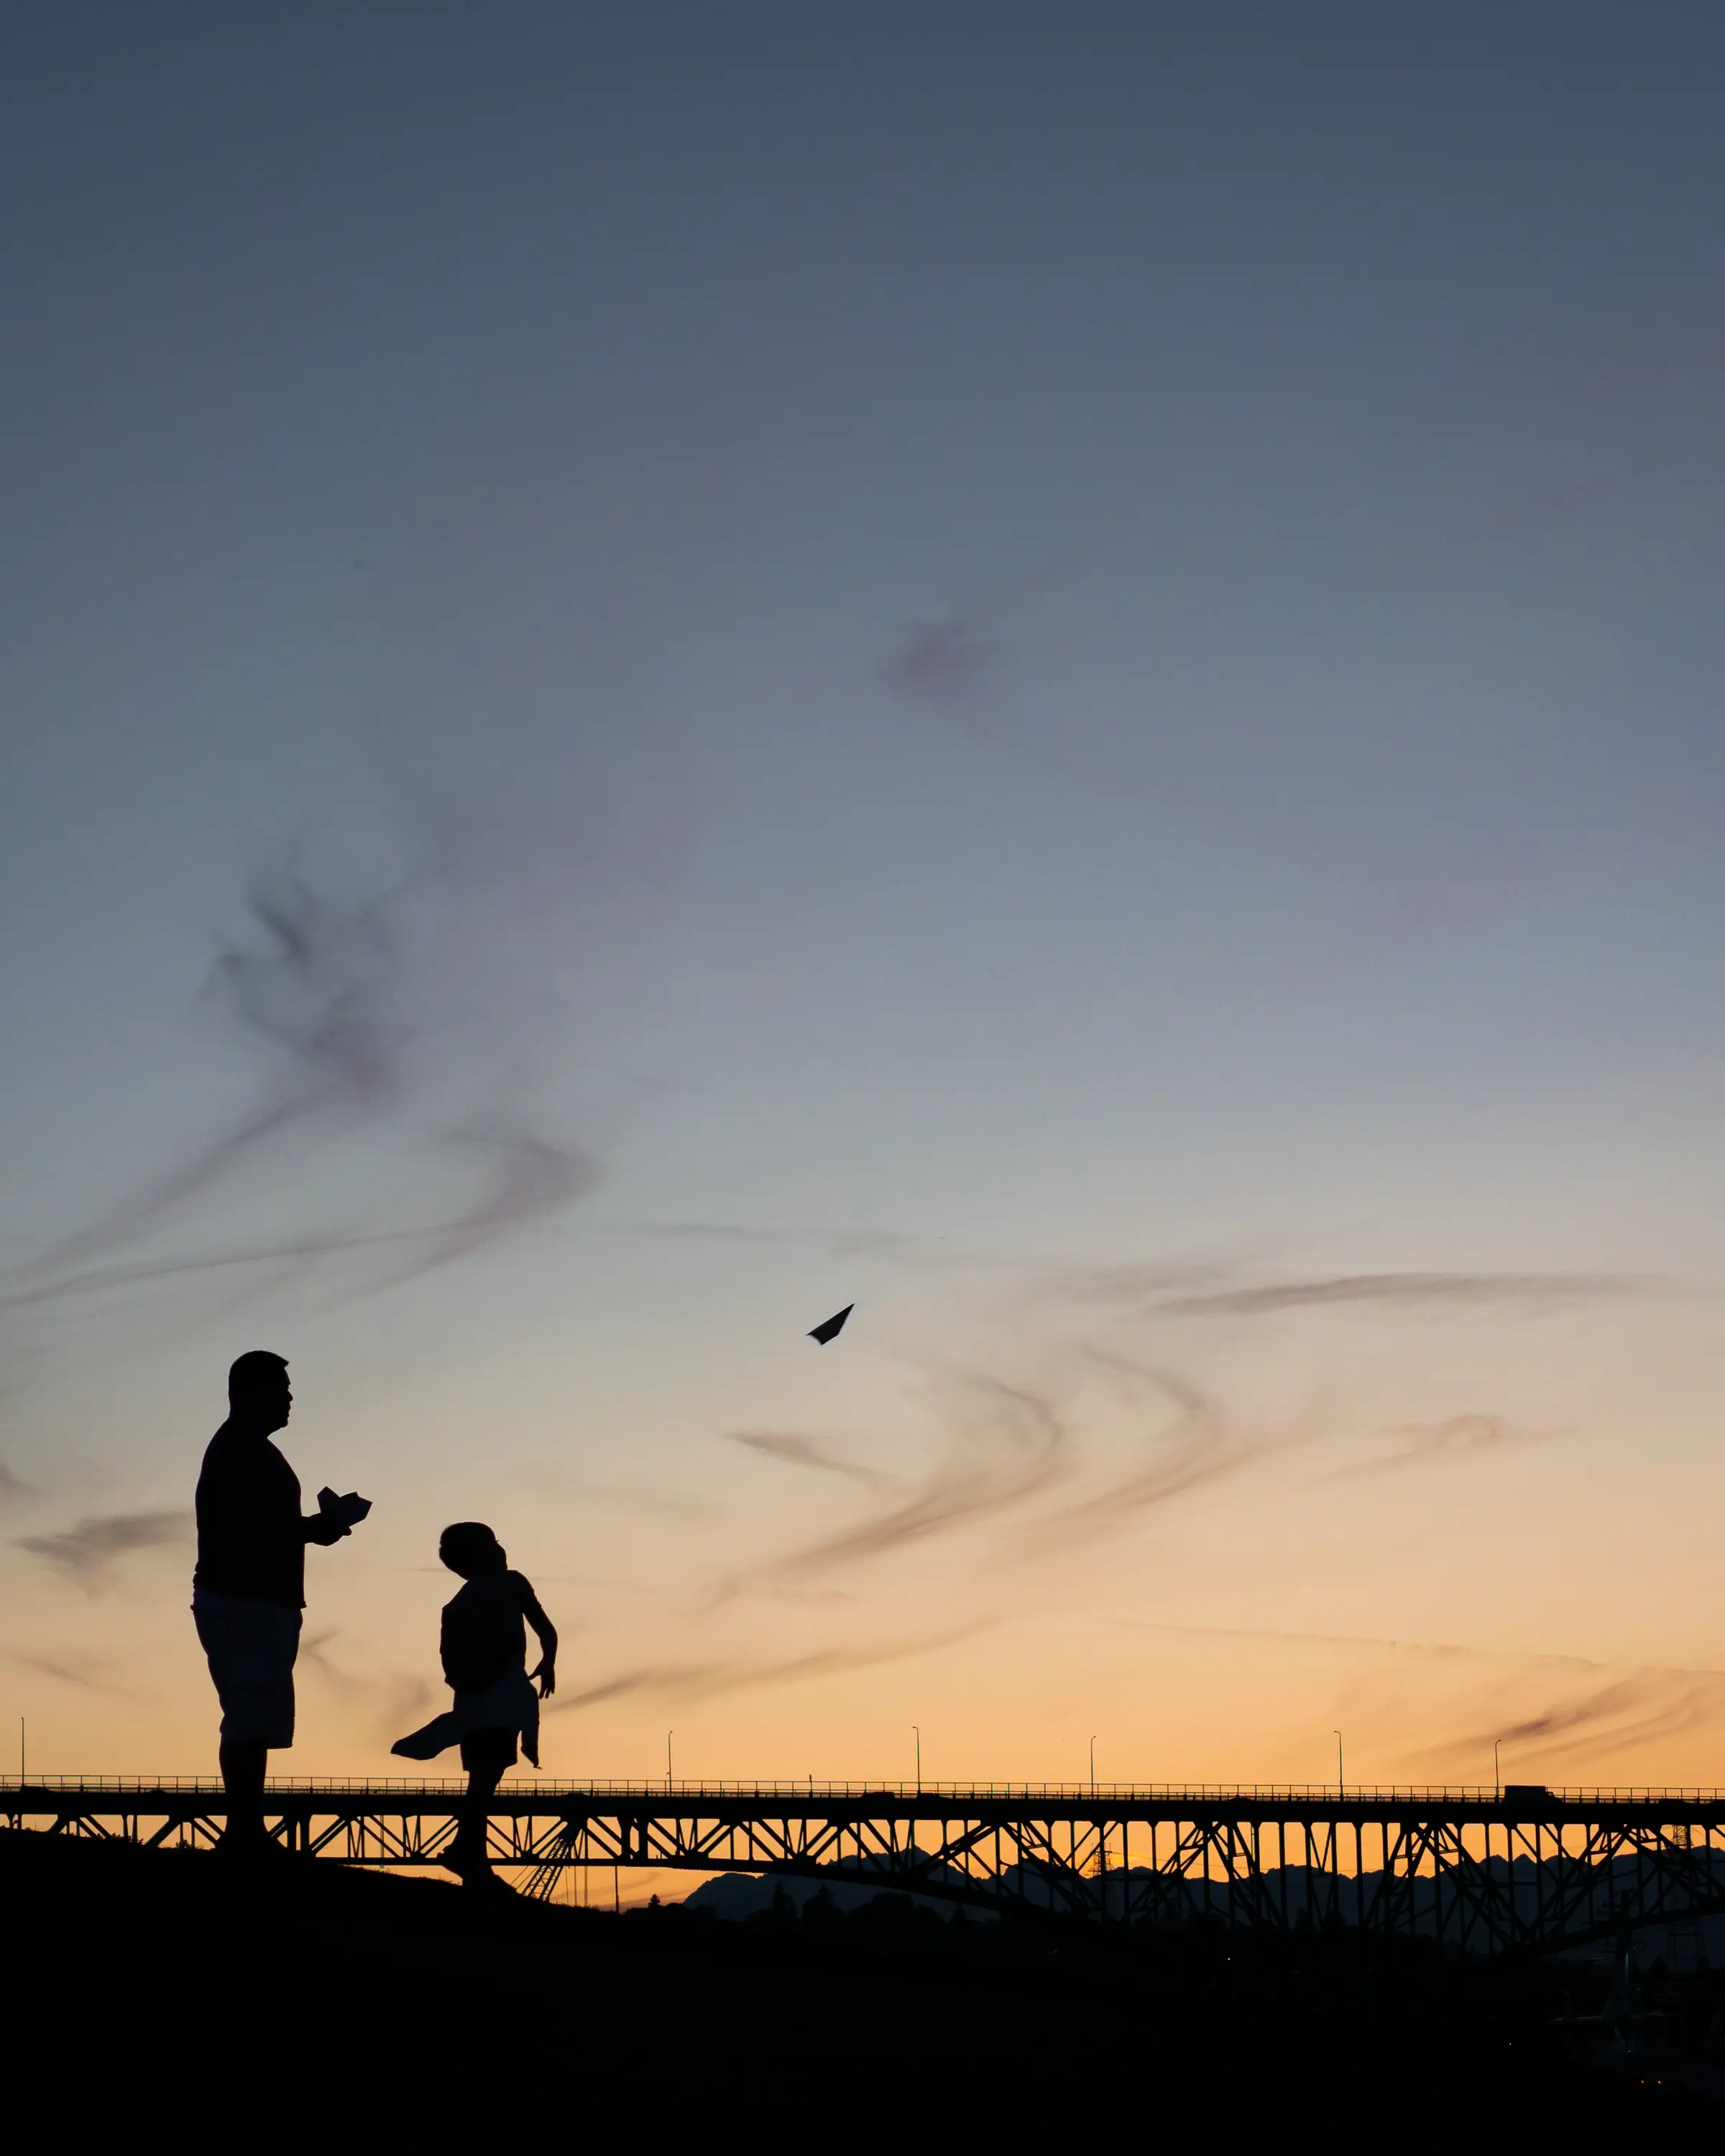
(1053, 669)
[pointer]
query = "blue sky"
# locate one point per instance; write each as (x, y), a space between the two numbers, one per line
(671, 666)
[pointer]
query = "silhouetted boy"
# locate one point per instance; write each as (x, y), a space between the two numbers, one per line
(249, 1586)
(485, 1656)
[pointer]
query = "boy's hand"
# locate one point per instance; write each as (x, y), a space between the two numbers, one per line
(547, 1674)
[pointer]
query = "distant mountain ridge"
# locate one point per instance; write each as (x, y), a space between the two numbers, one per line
(736, 1895)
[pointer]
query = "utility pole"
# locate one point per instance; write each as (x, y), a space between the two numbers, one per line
(1093, 1766)
(669, 1734)
(1341, 1786)
(918, 1733)
(1498, 1766)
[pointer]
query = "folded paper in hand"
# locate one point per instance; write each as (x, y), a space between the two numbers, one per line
(351, 1510)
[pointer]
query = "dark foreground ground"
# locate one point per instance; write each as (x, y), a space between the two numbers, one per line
(156, 1998)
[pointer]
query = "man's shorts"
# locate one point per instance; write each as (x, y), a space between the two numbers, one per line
(251, 1646)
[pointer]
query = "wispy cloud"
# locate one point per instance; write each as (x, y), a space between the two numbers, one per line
(323, 999)
(85, 1674)
(1137, 1285)
(552, 1479)
(314, 996)
(1640, 1707)
(683, 1682)
(312, 1651)
(1456, 1433)
(524, 1177)
(800, 1451)
(1179, 1286)
(1437, 1650)
(391, 1703)
(868, 1245)
(294, 1254)
(1579, 495)
(1449, 1438)
(1192, 1445)
(952, 666)
(943, 663)
(1591, 1707)
(1007, 1444)
(1608, 1702)
(1415, 1291)
(948, 661)
(13, 1490)
(1123, 1288)
(708, 1231)
(89, 1552)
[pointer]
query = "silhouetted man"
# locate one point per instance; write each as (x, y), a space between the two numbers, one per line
(249, 1587)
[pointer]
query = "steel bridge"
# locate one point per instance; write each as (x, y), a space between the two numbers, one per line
(1483, 1870)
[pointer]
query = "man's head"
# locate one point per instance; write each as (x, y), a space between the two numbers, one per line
(471, 1549)
(259, 1394)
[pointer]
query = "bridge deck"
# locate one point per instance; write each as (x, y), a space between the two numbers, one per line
(927, 1800)
(1482, 1868)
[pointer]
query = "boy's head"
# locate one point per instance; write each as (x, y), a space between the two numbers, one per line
(470, 1549)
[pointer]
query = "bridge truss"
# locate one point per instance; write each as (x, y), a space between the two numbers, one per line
(1480, 1869)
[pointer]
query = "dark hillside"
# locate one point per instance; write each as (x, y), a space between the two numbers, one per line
(157, 1997)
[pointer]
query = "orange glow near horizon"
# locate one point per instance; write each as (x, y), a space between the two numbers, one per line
(1215, 1574)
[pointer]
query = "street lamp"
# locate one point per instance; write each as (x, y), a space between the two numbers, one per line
(1341, 1786)
(918, 1735)
(669, 1734)
(1093, 1766)
(1498, 1766)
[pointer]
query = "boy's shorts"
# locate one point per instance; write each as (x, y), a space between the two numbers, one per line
(484, 1749)
(251, 1646)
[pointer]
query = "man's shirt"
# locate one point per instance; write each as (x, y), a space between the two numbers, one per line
(251, 1538)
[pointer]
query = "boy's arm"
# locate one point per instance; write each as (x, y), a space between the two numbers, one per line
(546, 1672)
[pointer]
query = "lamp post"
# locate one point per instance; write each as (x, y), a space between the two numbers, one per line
(1498, 1766)
(669, 1734)
(1341, 1786)
(917, 1734)
(1093, 1766)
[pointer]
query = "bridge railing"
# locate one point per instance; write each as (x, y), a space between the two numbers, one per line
(655, 1791)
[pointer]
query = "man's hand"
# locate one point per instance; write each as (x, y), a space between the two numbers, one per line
(349, 1510)
(547, 1674)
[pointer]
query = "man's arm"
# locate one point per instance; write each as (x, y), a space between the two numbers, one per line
(335, 1516)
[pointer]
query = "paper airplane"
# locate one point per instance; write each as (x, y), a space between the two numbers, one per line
(833, 1326)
